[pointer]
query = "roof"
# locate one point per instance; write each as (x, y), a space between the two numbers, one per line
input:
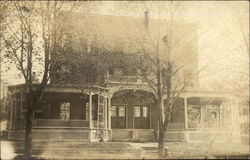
(17, 86)
(121, 32)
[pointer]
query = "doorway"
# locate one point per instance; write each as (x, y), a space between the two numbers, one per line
(118, 116)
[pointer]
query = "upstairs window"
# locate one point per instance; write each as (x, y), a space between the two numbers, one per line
(64, 68)
(117, 71)
(188, 79)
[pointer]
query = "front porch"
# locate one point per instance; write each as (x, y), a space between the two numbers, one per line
(125, 115)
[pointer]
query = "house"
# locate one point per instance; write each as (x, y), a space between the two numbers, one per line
(97, 95)
(243, 103)
(4, 103)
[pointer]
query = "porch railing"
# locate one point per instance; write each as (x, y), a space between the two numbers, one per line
(124, 79)
(60, 123)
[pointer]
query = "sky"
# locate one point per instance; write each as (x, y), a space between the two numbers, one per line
(219, 36)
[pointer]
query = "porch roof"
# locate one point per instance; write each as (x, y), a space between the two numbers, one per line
(72, 88)
(77, 88)
(199, 92)
(66, 88)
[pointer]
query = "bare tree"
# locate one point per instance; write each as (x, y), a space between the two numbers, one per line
(161, 59)
(238, 69)
(32, 37)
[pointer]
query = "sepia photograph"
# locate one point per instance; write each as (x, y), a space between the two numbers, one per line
(124, 80)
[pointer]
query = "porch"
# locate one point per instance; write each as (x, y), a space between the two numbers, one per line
(64, 113)
(125, 115)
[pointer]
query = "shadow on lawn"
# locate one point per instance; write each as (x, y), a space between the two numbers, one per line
(21, 157)
(37, 149)
(233, 157)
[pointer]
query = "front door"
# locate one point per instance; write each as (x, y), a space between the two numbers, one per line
(118, 116)
(141, 117)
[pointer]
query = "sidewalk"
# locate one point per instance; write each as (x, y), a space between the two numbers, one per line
(123, 150)
(198, 150)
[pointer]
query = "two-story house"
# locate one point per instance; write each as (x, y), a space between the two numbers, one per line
(94, 92)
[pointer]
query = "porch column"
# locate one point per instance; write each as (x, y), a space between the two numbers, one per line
(90, 110)
(186, 113)
(105, 113)
(109, 113)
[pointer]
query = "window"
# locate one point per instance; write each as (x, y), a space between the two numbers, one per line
(118, 111)
(141, 111)
(188, 78)
(65, 111)
(87, 111)
(206, 116)
(243, 107)
(145, 111)
(122, 111)
(137, 111)
(213, 116)
(117, 71)
(64, 68)
(209, 113)
(113, 111)
(94, 111)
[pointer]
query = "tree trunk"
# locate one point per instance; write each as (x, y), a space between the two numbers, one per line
(162, 130)
(28, 127)
(161, 143)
